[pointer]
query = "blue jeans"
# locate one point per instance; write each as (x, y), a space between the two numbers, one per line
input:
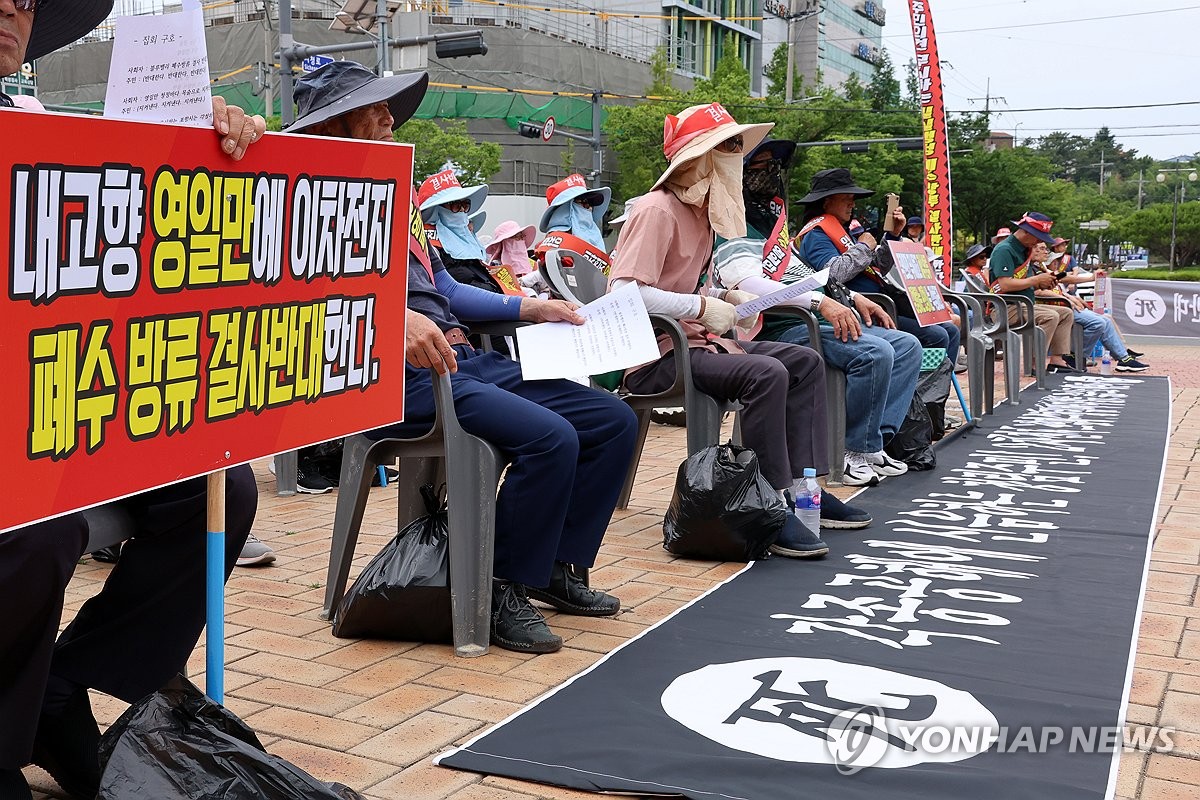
(943, 334)
(881, 375)
(1099, 328)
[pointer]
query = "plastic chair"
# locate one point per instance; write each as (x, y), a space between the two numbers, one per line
(472, 468)
(1021, 335)
(581, 281)
(979, 339)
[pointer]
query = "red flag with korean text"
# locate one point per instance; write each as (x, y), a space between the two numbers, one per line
(936, 165)
(170, 312)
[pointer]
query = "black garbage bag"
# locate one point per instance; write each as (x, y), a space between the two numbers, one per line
(913, 443)
(723, 509)
(404, 593)
(176, 744)
(933, 388)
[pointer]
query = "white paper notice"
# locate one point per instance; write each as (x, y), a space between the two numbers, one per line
(794, 290)
(159, 70)
(616, 335)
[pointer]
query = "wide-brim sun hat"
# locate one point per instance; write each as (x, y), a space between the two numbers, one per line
(59, 23)
(477, 221)
(1036, 225)
(781, 150)
(1001, 235)
(975, 251)
(699, 129)
(510, 229)
(343, 86)
(829, 182)
(442, 188)
(570, 189)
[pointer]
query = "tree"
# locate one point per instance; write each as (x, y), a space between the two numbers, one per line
(776, 73)
(883, 92)
(992, 188)
(436, 145)
(1151, 228)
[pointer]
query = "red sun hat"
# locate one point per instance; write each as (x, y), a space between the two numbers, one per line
(570, 189)
(443, 188)
(699, 129)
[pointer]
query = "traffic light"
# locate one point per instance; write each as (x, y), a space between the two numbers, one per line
(459, 47)
(530, 130)
(855, 147)
(914, 143)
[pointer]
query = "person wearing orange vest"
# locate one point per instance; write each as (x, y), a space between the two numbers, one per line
(572, 220)
(881, 364)
(567, 446)
(1013, 272)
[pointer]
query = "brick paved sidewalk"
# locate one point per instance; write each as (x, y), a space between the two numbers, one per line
(371, 714)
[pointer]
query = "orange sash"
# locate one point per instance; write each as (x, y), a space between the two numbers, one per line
(567, 241)
(831, 228)
(418, 242)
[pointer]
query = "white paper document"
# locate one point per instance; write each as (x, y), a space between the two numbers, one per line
(616, 335)
(159, 70)
(773, 299)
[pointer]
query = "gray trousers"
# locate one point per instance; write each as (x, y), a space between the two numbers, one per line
(782, 391)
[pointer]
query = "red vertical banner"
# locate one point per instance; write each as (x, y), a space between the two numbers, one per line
(936, 166)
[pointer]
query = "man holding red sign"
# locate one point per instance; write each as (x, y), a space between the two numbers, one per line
(568, 445)
(129, 639)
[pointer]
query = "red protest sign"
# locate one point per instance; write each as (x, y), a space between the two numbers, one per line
(921, 282)
(170, 312)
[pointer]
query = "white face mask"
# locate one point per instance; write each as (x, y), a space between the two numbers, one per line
(714, 178)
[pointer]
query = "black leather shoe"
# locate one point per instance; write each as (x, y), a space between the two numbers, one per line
(516, 624)
(569, 594)
(67, 746)
(13, 785)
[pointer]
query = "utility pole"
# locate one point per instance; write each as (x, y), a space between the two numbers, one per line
(287, 113)
(269, 59)
(1141, 180)
(1101, 171)
(791, 34)
(794, 13)
(987, 102)
(384, 64)
(597, 153)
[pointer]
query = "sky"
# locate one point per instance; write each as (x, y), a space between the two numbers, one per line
(1056, 54)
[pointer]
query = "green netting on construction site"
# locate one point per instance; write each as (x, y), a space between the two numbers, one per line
(568, 112)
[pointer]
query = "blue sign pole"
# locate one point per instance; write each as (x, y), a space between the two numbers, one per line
(214, 590)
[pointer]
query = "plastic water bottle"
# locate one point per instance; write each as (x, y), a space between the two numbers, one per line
(808, 501)
(1098, 351)
(1106, 364)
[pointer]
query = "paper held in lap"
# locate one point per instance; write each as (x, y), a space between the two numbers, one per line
(793, 290)
(616, 335)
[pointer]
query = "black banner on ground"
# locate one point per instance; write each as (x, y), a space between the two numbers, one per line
(975, 642)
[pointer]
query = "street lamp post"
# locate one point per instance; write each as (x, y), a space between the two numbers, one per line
(1176, 191)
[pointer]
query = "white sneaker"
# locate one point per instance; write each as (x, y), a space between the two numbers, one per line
(255, 553)
(858, 470)
(885, 466)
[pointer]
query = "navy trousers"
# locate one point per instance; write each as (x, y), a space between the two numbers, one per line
(134, 635)
(569, 447)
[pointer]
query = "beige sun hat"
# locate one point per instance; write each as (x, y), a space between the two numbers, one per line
(698, 129)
